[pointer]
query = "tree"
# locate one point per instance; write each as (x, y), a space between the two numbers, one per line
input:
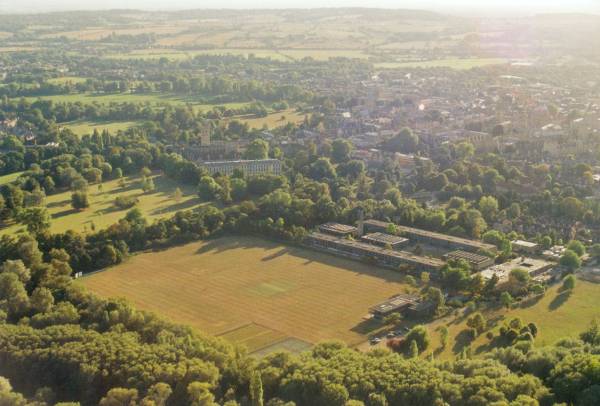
(444, 336)
(393, 319)
(120, 397)
(322, 169)
(208, 188)
(419, 335)
(568, 283)
(506, 299)
(340, 150)
(592, 334)
(79, 200)
(405, 141)
(488, 205)
(200, 395)
(257, 149)
(435, 296)
(577, 247)
(595, 251)
(413, 350)
(477, 322)
(177, 195)
(159, 393)
(36, 219)
(256, 390)
(42, 300)
(147, 185)
(570, 260)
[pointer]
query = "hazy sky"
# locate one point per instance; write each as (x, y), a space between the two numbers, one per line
(526, 6)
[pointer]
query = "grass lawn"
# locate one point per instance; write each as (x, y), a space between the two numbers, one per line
(9, 178)
(253, 291)
(67, 79)
(83, 127)
(102, 212)
(454, 63)
(557, 316)
(152, 98)
(273, 120)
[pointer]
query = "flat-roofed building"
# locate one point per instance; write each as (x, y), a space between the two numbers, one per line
(249, 167)
(535, 267)
(397, 304)
(385, 240)
(430, 237)
(525, 246)
(341, 230)
(476, 261)
(372, 253)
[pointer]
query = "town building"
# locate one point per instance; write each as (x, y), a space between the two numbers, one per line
(371, 253)
(535, 267)
(385, 240)
(525, 247)
(429, 237)
(408, 305)
(340, 230)
(249, 167)
(476, 262)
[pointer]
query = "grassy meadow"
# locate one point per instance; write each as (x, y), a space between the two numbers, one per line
(453, 63)
(84, 127)
(557, 315)
(254, 292)
(102, 211)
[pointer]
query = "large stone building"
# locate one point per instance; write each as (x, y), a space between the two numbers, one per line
(249, 167)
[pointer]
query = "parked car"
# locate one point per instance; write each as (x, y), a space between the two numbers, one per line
(375, 340)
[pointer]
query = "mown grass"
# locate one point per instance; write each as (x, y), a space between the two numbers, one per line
(102, 211)
(151, 98)
(83, 127)
(251, 290)
(273, 120)
(557, 315)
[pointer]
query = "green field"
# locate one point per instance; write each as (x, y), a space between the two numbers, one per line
(152, 98)
(102, 212)
(273, 120)
(9, 178)
(67, 79)
(254, 292)
(276, 54)
(557, 316)
(83, 127)
(454, 63)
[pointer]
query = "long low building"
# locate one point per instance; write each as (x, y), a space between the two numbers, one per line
(363, 251)
(430, 237)
(249, 167)
(476, 261)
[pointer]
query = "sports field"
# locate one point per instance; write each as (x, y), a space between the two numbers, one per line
(102, 211)
(254, 292)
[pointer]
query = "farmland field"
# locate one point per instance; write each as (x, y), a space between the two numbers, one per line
(102, 212)
(254, 292)
(456, 63)
(556, 315)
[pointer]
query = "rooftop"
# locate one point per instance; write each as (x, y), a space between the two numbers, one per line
(523, 243)
(338, 228)
(468, 256)
(395, 303)
(384, 238)
(434, 235)
(401, 255)
(531, 265)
